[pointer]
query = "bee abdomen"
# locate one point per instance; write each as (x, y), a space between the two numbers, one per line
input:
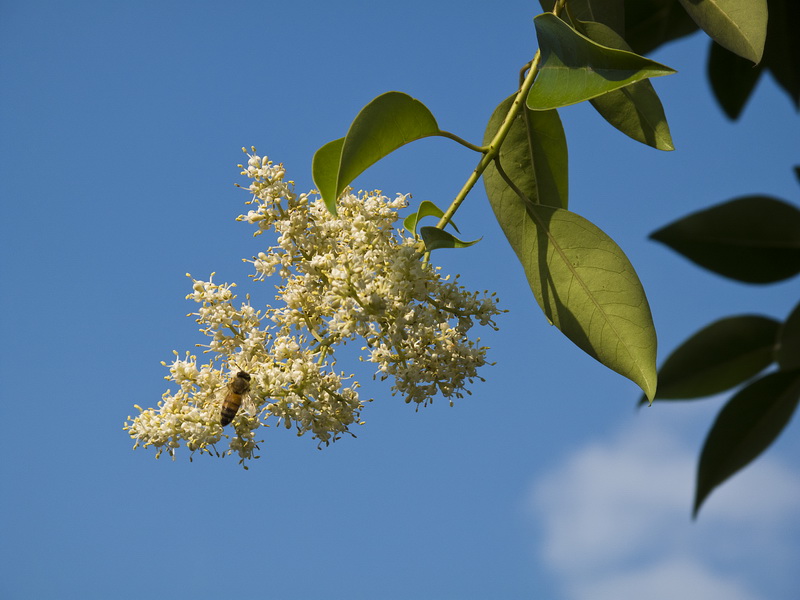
(227, 413)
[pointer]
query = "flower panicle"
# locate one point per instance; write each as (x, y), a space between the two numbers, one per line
(352, 276)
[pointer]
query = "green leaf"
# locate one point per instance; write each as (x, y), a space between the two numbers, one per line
(788, 353)
(782, 51)
(738, 25)
(324, 170)
(732, 79)
(718, 357)
(744, 428)
(388, 122)
(651, 23)
(574, 68)
(436, 238)
(533, 156)
(754, 239)
(426, 209)
(635, 109)
(608, 12)
(584, 284)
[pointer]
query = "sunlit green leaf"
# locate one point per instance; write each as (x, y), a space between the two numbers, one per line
(574, 68)
(426, 209)
(608, 12)
(324, 168)
(738, 25)
(635, 109)
(718, 357)
(436, 238)
(754, 239)
(533, 156)
(388, 122)
(745, 427)
(788, 352)
(584, 284)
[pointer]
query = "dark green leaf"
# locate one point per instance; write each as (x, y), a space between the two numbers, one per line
(754, 239)
(533, 156)
(426, 209)
(584, 284)
(738, 25)
(782, 51)
(744, 428)
(650, 23)
(435, 238)
(718, 357)
(732, 79)
(788, 354)
(388, 122)
(574, 68)
(635, 109)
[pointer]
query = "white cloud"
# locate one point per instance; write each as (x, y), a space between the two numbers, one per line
(665, 580)
(616, 522)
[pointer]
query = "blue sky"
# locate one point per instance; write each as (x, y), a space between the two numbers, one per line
(121, 127)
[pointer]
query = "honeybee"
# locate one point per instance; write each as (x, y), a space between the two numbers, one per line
(237, 390)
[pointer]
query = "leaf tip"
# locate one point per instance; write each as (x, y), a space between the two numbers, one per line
(698, 502)
(331, 206)
(643, 399)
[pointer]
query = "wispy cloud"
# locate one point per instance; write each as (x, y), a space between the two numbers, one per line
(615, 522)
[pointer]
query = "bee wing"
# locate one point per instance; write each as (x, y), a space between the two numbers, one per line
(249, 405)
(221, 395)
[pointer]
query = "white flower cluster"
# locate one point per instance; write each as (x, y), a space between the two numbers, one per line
(347, 277)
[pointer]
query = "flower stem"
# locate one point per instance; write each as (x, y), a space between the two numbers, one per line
(491, 151)
(462, 141)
